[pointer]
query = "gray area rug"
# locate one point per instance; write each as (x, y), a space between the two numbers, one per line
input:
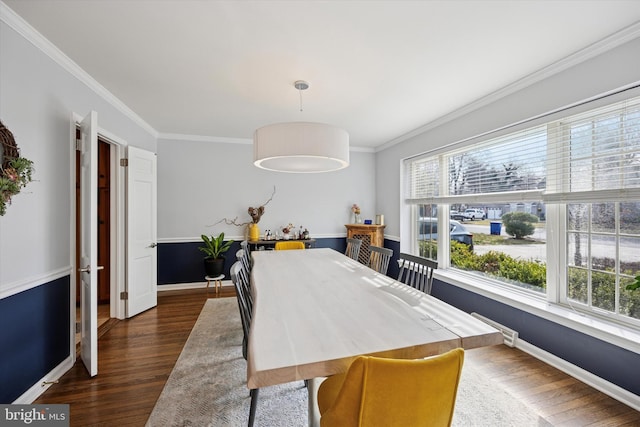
(207, 386)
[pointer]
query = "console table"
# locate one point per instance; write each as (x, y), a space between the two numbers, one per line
(254, 244)
(370, 234)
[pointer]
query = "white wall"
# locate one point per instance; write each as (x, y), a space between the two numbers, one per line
(201, 182)
(37, 99)
(600, 74)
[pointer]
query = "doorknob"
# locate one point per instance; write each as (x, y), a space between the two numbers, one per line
(153, 245)
(87, 269)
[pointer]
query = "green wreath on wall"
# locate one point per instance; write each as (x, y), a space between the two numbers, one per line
(15, 171)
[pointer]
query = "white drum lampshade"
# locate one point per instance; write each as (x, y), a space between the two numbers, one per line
(301, 147)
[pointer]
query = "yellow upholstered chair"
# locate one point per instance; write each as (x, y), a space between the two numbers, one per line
(289, 245)
(378, 392)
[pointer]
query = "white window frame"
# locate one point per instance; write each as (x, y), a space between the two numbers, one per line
(556, 243)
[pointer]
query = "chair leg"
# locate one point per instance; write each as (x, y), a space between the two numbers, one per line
(254, 403)
(244, 348)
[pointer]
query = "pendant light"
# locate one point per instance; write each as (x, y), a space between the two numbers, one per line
(301, 147)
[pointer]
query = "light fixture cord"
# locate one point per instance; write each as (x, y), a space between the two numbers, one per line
(300, 92)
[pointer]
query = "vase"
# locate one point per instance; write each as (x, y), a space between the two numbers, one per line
(254, 232)
(357, 219)
(286, 236)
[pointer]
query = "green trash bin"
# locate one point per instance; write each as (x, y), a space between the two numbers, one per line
(496, 227)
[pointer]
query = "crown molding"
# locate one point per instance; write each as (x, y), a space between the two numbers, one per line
(608, 43)
(22, 27)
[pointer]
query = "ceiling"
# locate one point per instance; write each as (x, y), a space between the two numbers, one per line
(379, 69)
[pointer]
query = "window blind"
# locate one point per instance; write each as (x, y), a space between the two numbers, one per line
(514, 162)
(423, 178)
(591, 156)
(596, 155)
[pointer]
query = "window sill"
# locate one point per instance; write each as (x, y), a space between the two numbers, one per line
(622, 336)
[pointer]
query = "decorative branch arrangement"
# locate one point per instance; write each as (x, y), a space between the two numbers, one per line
(254, 213)
(15, 171)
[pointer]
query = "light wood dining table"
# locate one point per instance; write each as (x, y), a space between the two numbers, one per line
(316, 310)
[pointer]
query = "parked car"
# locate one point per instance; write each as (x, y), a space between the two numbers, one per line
(460, 216)
(474, 214)
(429, 231)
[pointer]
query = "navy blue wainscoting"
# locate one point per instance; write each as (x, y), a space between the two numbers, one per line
(337, 243)
(184, 262)
(393, 269)
(615, 364)
(34, 336)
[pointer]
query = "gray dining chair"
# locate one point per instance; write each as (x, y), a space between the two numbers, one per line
(379, 258)
(244, 245)
(243, 256)
(353, 248)
(245, 277)
(240, 280)
(416, 271)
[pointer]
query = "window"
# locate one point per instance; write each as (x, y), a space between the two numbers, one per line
(583, 169)
(601, 175)
(603, 257)
(484, 183)
(427, 231)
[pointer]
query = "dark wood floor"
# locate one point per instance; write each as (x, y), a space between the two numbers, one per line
(137, 355)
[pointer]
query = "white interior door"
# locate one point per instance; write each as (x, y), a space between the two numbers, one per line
(89, 242)
(142, 254)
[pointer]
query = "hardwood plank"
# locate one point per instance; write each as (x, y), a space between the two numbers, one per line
(137, 355)
(555, 396)
(135, 359)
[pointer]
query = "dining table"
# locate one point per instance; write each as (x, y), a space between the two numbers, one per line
(316, 310)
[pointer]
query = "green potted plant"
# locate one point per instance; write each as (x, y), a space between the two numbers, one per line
(214, 248)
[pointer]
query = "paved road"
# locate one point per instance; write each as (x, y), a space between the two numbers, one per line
(535, 252)
(600, 247)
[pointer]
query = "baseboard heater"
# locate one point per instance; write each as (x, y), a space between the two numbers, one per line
(510, 336)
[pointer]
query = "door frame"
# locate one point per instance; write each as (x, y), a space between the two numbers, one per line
(118, 218)
(117, 237)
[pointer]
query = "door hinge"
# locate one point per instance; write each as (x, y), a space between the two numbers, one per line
(124, 295)
(124, 162)
(78, 144)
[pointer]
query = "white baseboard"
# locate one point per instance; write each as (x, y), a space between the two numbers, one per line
(193, 285)
(610, 389)
(45, 382)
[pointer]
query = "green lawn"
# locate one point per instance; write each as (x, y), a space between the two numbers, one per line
(490, 239)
